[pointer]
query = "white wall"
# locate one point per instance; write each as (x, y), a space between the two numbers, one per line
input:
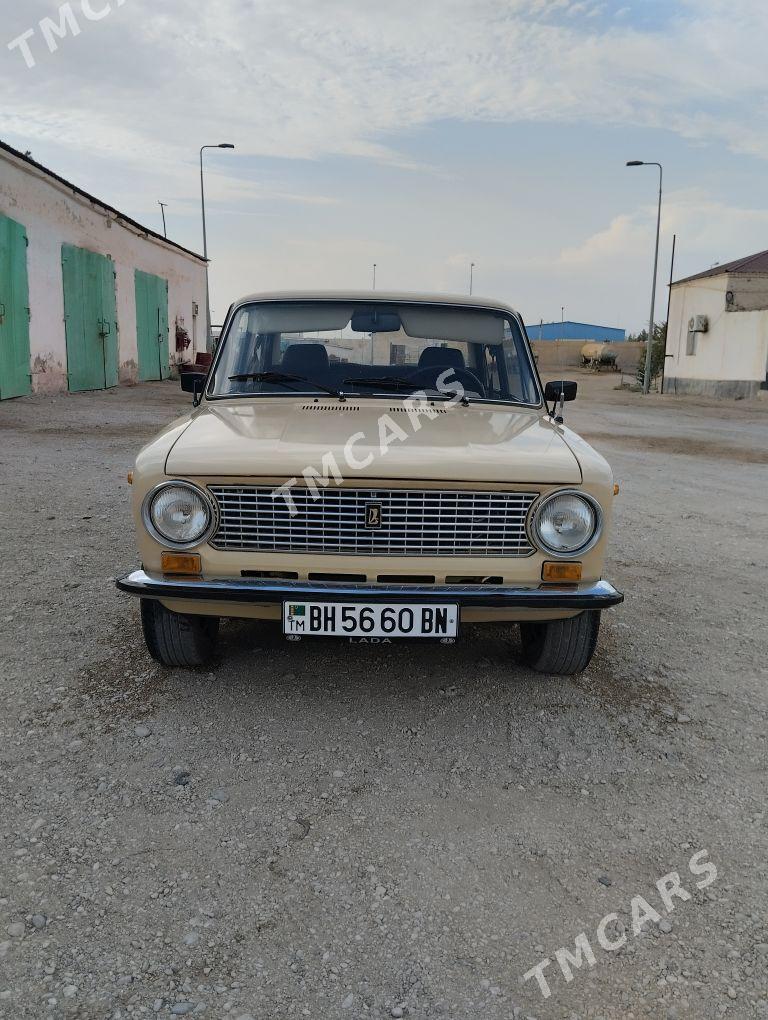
(735, 349)
(53, 215)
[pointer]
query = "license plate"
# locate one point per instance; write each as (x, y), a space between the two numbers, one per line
(353, 619)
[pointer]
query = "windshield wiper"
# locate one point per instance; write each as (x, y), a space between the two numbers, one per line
(395, 382)
(392, 382)
(282, 377)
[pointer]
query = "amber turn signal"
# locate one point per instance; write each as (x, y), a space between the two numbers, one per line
(616, 488)
(180, 563)
(569, 572)
(129, 476)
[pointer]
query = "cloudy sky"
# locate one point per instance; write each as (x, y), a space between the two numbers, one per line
(420, 136)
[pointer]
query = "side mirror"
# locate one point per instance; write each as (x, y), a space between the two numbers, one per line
(553, 390)
(194, 382)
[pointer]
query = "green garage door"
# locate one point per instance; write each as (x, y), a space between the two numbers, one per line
(152, 326)
(15, 379)
(90, 317)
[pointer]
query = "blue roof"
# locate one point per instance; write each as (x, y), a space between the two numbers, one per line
(569, 330)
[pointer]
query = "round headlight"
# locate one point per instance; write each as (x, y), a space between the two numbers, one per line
(178, 513)
(566, 523)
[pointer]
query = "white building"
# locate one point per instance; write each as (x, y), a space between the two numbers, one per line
(717, 339)
(88, 297)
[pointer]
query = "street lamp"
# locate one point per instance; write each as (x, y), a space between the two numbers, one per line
(163, 207)
(471, 277)
(220, 145)
(374, 276)
(649, 345)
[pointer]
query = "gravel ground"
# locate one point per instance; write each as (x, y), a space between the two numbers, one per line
(319, 830)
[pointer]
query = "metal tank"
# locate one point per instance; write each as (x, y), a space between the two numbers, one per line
(599, 355)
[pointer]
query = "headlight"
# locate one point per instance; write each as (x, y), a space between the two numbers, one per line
(178, 513)
(567, 523)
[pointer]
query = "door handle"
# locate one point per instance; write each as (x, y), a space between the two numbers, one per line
(104, 327)
(2, 312)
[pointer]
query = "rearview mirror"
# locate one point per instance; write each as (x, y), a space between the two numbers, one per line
(375, 322)
(553, 390)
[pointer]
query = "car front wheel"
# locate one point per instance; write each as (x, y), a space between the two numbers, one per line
(177, 639)
(561, 646)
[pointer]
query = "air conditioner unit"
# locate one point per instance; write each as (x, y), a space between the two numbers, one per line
(701, 324)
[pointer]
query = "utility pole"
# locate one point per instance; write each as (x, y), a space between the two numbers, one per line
(374, 276)
(220, 145)
(649, 348)
(669, 302)
(471, 277)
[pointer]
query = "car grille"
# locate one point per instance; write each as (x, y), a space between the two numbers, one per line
(383, 522)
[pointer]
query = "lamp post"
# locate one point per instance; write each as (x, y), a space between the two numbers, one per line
(471, 277)
(649, 345)
(374, 276)
(220, 145)
(162, 210)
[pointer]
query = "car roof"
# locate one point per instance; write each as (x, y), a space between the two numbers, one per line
(384, 296)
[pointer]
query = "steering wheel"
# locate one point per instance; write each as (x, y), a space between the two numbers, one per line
(428, 376)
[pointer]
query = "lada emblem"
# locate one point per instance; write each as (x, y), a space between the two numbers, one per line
(372, 516)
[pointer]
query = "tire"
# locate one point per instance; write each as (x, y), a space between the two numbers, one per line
(176, 639)
(562, 647)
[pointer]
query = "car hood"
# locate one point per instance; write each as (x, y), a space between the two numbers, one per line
(279, 438)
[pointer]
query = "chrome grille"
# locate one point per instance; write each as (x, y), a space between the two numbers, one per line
(423, 522)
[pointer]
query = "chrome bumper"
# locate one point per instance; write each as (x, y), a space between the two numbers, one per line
(596, 595)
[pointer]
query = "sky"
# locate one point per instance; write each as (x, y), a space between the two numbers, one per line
(418, 136)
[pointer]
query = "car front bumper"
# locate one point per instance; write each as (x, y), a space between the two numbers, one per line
(253, 591)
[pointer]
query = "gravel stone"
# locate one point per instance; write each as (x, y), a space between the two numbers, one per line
(16, 929)
(142, 731)
(39, 921)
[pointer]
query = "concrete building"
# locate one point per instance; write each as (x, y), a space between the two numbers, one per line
(717, 339)
(88, 297)
(584, 331)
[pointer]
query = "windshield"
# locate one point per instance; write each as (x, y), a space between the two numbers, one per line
(369, 349)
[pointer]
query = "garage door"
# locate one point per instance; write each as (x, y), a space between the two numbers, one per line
(90, 317)
(152, 326)
(15, 379)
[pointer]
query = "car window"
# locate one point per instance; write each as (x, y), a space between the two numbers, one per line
(370, 349)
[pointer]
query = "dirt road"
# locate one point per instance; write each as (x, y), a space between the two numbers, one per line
(317, 830)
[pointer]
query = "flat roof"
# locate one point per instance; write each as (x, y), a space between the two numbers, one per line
(4, 147)
(384, 296)
(572, 322)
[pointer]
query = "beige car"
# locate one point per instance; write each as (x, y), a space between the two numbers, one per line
(373, 466)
